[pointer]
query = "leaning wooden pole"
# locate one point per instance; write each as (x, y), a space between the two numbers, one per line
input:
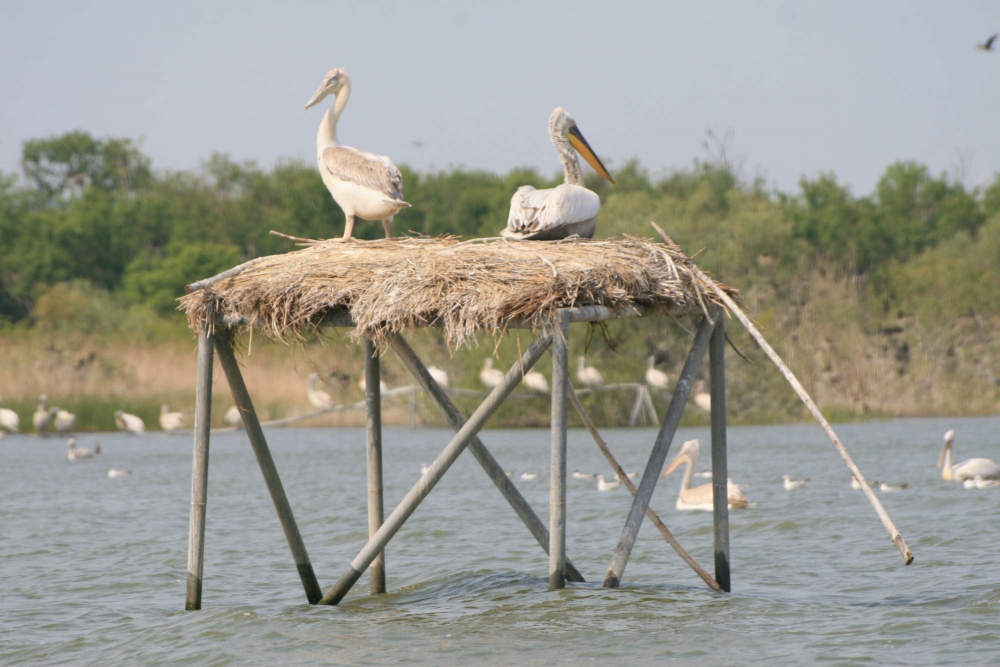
(436, 471)
(657, 457)
(557, 460)
(620, 472)
(720, 465)
(890, 527)
(241, 397)
(373, 440)
(199, 471)
(489, 464)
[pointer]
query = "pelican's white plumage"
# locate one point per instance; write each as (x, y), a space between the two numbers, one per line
(529, 476)
(583, 475)
(699, 497)
(114, 473)
(170, 421)
(233, 417)
(9, 420)
(856, 485)
(535, 381)
(603, 485)
(702, 398)
(655, 378)
(42, 418)
(363, 184)
(588, 376)
(792, 484)
(62, 420)
(383, 388)
(564, 210)
(74, 453)
(969, 469)
(440, 376)
(318, 398)
(129, 423)
(884, 487)
(490, 376)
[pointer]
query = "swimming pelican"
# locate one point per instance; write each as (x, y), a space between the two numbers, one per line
(884, 487)
(702, 398)
(383, 388)
(583, 475)
(960, 472)
(588, 375)
(42, 417)
(856, 485)
(62, 420)
(978, 482)
(607, 486)
(440, 376)
(699, 497)
(129, 422)
(233, 417)
(490, 376)
(170, 421)
(535, 381)
(9, 419)
(529, 476)
(509, 473)
(115, 472)
(74, 453)
(567, 209)
(655, 378)
(792, 484)
(318, 398)
(363, 184)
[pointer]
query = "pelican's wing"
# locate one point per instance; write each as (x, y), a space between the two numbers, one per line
(368, 170)
(534, 212)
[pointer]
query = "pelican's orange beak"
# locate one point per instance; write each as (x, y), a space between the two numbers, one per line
(583, 148)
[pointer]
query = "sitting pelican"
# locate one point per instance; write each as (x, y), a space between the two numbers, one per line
(170, 421)
(490, 376)
(318, 398)
(583, 475)
(529, 476)
(62, 420)
(702, 398)
(792, 484)
(655, 378)
(607, 486)
(233, 417)
(9, 419)
(699, 497)
(129, 422)
(978, 482)
(565, 210)
(440, 376)
(885, 487)
(114, 473)
(588, 376)
(73, 453)
(960, 472)
(536, 382)
(363, 184)
(42, 417)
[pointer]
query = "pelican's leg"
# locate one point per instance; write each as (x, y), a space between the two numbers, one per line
(387, 225)
(348, 228)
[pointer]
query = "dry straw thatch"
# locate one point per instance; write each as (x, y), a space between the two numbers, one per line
(465, 287)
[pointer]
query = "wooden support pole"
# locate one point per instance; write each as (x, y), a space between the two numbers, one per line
(199, 471)
(657, 457)
(436, 471)
(373, 440)
(557, 459)
(493, 469)
(241, 397)
(720, 466)
(620, 472)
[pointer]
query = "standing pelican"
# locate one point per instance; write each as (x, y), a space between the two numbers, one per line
(439, 374)
(9, 419)
(567, 209)
(62, 420)
(233, 417)
(655, 378)
(699, 497)
(129, 423)
(170, 421)
(536, 382)
(588, 375)
(969, 469)
(702, 398)
(363, 184)
(42, 417)
(490, 376)
(317, 397)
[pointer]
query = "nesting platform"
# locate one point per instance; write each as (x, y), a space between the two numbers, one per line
(383, 288)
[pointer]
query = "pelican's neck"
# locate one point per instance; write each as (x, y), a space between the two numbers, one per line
(651, 363)
(579, 365)
(571, 166)
(688, 472)
(327, 135)
(946, 467)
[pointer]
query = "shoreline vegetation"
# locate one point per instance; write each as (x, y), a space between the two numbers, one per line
(884, 305)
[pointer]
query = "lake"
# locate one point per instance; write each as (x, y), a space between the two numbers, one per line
(94, 569)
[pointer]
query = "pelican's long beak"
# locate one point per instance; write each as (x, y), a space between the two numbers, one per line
(318, 95)
(678, 461)
(584, 149)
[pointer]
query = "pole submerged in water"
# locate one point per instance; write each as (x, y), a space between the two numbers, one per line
(199, 471)
(373, 442)
(720, 465)
(557, 460)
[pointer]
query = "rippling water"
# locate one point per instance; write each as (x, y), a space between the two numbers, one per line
(93, 569)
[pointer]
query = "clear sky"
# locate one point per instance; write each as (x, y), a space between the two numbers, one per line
(804, 86)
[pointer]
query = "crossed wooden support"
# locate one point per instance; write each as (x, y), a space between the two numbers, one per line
(552, 539)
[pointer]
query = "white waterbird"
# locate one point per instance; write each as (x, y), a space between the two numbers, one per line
(63, 421)
(114, 473)
(424, 468)
(490, 376)
(702, 399)
(74, 453)
(42, 418)
(440, 376)
(536, 382)
(968, 469)
(383, 388)
(565, 210)
(699, 497)
(363, 184)
(980, 483)
(129, 423)
(603, 485)
(170, 421)
(588, 376)
(583, 475)
(318, 398)
(9, 421)
(529, 476)
(856, 485)
(656, 378)
(233, 417)
(792, 484)
(885, 487)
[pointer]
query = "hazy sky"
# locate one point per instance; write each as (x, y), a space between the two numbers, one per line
(805, 86)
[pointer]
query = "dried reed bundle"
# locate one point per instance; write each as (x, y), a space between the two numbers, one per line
(465, 287)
